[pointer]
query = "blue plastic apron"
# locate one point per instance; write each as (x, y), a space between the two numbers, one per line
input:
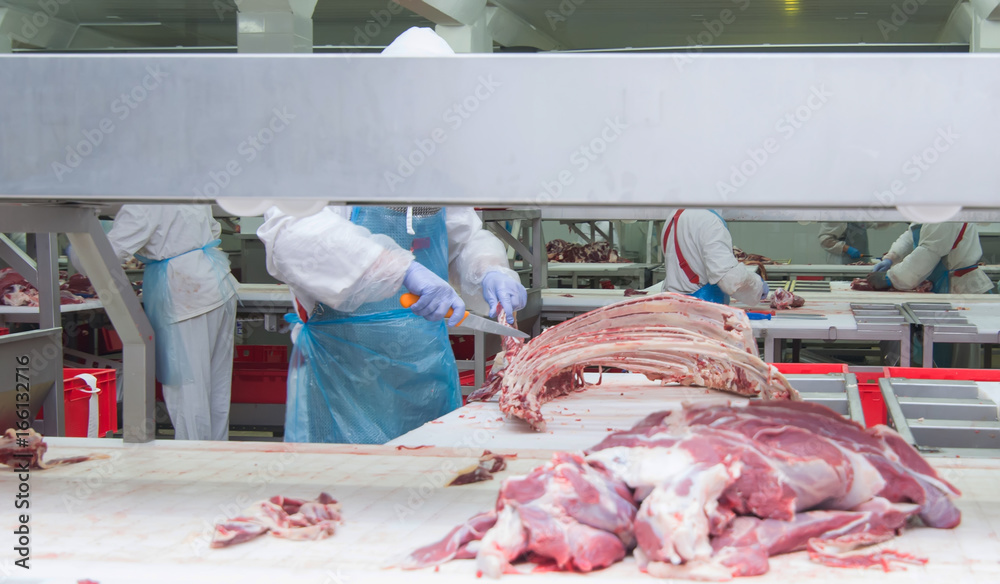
(171, 369)
(708, 292)
(371, 375)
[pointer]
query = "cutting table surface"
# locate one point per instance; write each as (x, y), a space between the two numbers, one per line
(145, 515)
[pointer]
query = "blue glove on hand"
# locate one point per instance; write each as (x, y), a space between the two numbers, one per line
(765, 291)
(853, 252)
(502, 290)
(436, 295)
(883, 266)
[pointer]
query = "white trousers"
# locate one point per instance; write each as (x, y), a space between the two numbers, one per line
(199, 410)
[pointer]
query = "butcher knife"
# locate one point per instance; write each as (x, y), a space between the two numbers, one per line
(472, 321)
(769, 314)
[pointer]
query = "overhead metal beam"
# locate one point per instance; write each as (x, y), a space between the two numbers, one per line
(853, 131)
(450, 12)
(510, 30)
(44, 28)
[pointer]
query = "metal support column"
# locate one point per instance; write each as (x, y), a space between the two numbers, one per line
(49, 316)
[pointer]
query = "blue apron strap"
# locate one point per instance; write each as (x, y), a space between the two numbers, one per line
(716, 213)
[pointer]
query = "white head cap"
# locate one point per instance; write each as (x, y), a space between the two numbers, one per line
(418, 42)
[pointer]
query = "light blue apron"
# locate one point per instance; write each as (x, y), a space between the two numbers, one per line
(157, 301)
(374, 374)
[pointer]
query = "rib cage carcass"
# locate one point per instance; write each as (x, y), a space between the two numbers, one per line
(667, 337)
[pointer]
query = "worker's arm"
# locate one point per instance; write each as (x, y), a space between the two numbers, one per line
(831, 237)
(133, 227)
(473, 252)
(936, 241)
(901, 247)
(332, 260)
(723, 268)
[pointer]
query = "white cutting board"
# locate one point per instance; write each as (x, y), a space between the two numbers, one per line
(142, 516)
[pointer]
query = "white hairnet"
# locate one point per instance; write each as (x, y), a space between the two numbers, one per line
(418, 42)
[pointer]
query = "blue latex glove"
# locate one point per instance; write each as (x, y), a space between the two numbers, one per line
(853, 252)
(765, 291)
(501, 290)
(436, 295)
(883, 266)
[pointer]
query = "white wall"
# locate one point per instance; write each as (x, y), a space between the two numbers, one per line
(799, 243)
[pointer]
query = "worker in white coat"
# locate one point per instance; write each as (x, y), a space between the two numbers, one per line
(364, 369)
(947, 254)
(189, 296)
(698, 251)
(846, 242)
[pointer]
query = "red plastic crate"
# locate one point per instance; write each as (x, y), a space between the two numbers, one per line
(872, 402)
(810, 278)
(4, 331)
(110, 341)
(260, 354)
(259, 383)
(810, 368)
(76, 402)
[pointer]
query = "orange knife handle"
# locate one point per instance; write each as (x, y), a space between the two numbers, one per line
(408, 300)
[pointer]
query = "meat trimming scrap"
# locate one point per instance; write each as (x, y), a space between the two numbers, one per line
(668, 337)
(284, 517)
(710, 493)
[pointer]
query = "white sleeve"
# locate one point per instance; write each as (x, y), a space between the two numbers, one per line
(936, 241)
(831, 237)
(473, 252)
(134, 225)
(723, 268)
(331, 259)
(902, 247)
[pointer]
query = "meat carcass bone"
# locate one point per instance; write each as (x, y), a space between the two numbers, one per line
(668, 337)
(711, 492)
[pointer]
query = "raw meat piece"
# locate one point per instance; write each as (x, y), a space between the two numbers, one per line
(783, 300)
(667, 337)
(32, 452)
(862, 284)
(80, 285)
(631, 292)
(745, 257)
(489, 464)
(568, 514)
(559, 250)
(718, 490)
(16, 291)
(283, 517)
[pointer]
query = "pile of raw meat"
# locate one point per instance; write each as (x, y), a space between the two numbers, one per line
(16, 291)
(783, 300)
(754, 259)
(710, 493)
(861, 284)
(668, 337)
(282, 517)
(599, 252)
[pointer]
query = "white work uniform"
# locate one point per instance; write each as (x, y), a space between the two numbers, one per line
(204, 314)
(706, 244)
(939, 242)
(834, 236)
(326, 258)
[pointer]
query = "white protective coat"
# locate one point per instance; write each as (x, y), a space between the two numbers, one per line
(205, 309)
(832, 239)
(913, 266)
(707, 246)
(326, 258)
